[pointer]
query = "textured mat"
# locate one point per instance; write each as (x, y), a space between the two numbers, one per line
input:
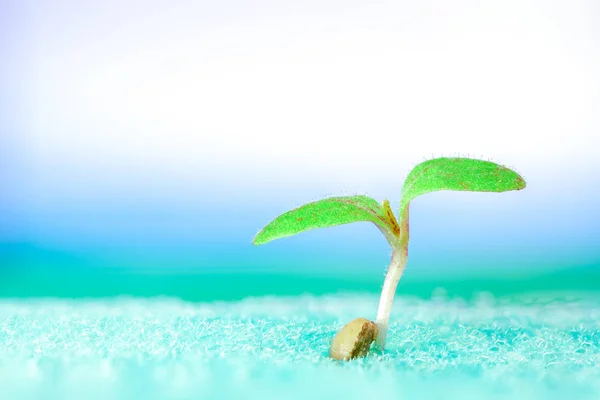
(527, 348)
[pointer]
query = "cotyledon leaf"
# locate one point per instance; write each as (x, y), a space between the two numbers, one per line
(457, 173)
(324, 213)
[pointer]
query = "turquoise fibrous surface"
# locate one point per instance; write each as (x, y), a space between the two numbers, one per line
(276, 347)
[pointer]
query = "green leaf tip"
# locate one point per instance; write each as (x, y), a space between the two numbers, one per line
(458, 174)
(324, 213)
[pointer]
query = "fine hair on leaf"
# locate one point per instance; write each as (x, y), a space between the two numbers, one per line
(324, 213)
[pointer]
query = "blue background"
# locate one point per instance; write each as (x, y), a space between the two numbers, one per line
(143, 146)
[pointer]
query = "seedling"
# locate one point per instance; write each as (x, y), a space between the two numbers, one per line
(456, 174)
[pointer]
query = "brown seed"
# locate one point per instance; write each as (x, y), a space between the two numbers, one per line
(353, 340)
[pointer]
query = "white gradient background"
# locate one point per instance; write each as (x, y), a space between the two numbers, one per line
(167, 133)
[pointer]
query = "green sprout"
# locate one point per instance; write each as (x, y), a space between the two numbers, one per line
(456, 174)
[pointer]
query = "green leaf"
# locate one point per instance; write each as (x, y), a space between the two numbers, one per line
(324, 213)
(462, 174)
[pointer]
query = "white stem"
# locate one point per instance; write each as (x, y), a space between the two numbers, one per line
(394, 273)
